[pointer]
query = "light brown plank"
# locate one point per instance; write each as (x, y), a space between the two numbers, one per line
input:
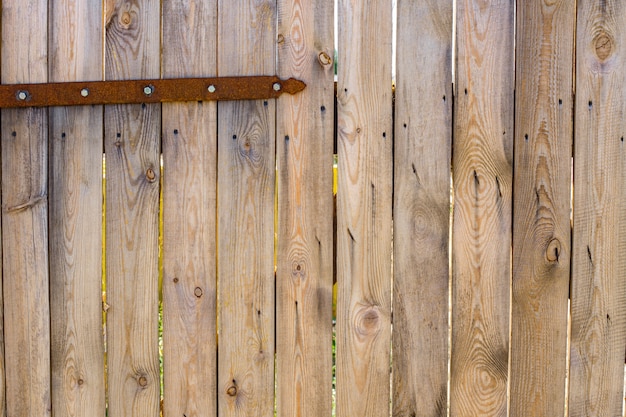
(364, 208)
(77, 351)
(132, 145)
(25, 214)
(189, 210)
(423, 126)
(305, 202)
(246, 183)
(481, 236)
(541, 227)
(599, 266)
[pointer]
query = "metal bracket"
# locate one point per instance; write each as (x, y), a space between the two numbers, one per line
(146, 91)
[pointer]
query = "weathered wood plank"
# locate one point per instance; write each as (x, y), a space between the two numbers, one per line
(305, 202)
(189, 210)
(246, 184)
(25, 214)
(364, 200)
(423, 126)
(541, 227)
(599, 266)
(77, 352)
(482, 162)
(132, 145)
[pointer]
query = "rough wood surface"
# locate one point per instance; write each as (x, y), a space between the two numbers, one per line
(77, 351)
(246, 184)
(423, 126)
(132, 145)
(189, 210)
(541, 227)
(599, 267)
(482, 171)
(304, 276)
(25, 214)
(364, 130)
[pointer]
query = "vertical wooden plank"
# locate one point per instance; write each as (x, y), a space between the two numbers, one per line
(246, 189)
(422, 153)
(25, 214)
(364, 131)
(481, 237)
(189, 210)
(305, 201)
(77, 352)
(132, 145)
(541, 226)
(599, 267)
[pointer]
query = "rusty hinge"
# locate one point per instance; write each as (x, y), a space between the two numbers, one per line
(146, 91)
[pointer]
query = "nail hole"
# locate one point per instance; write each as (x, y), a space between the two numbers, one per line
(176, 131)
(323, 108)
(234, 137)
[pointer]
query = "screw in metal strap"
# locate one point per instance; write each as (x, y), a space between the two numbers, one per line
(22, 95)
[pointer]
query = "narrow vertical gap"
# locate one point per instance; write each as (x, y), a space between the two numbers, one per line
(160, 285)
(104, 299)
(451, 214)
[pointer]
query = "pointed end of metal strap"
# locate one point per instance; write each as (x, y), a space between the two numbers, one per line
(293, 86)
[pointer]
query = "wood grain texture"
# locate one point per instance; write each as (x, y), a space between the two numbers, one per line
(422, 154)
(364, 199)
(25, 215)
(304, 276)
(482, 173)
(77, 350)
(132, 145)
(246, 190)
(189, 210)
(598, 267)
(541, 226)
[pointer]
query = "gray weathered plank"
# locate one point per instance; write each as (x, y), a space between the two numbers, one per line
(189, 210)
(481, 235)
(132, 145)
(598, 268)
(25, 214)
(77, 351)
(246, 184)
(541, 226)
(304, 276)
(423, 135)
(364, 197)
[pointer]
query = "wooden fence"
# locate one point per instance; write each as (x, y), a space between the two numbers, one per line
(530, 129)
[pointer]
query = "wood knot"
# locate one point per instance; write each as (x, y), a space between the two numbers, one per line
(367, 321)
(324, 59)
(232, 391)
(198, 292)
(142, 381)
(150, 175)
(80, 382)
(280, 38)
(126, 19)
(553, 251)
(603, 45)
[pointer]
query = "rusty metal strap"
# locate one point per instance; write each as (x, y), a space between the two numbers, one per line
(146, 91)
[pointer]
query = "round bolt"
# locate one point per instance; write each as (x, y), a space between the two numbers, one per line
(22, 95)
(276, 86)
(211, 88)
(84, 92)
(147, 90)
